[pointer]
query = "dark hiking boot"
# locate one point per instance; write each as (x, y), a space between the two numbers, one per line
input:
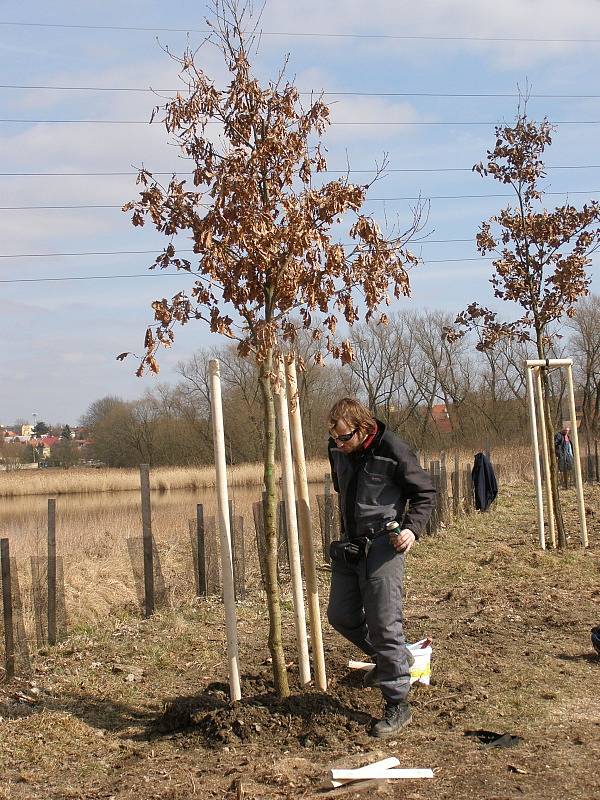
(371, 678)
(395, 717)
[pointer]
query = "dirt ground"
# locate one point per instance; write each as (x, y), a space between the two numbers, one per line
(139, 709)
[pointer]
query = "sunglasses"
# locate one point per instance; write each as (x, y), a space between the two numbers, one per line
(344, 437)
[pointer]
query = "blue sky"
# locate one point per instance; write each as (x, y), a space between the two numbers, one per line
(62, 336)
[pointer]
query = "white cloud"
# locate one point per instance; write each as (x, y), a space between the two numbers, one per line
(537, 19)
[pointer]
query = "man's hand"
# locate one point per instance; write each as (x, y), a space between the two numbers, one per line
(403, 541)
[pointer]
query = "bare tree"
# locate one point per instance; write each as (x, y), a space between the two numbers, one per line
(585, 341)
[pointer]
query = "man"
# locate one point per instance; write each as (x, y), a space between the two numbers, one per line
(564, 451)
(379, 481)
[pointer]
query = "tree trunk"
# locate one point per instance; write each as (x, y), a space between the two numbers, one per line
(549, 433)
(270, 499)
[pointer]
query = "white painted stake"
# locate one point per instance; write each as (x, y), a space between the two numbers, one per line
(578, 480)
(379, 774)
(225, 533)
(536, 457)
(364, 665)
(545, 455)
(308, 551)
(287, 469)
(549, 362)
(385, 763)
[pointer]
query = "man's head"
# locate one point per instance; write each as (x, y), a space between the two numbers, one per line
(566, 428)
(350, 423)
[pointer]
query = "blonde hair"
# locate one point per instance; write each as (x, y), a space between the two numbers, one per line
(353, 414)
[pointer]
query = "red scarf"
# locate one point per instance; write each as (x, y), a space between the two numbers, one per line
(369, 440)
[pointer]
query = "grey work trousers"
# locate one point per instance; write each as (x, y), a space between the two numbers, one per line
(365, 606)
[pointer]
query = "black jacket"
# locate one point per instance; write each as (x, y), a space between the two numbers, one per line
(484, 482)
(385, 482)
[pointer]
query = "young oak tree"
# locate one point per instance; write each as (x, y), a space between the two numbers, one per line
(541, 259)
(265, 233)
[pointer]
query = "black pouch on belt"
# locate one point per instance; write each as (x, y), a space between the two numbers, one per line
(348, 550)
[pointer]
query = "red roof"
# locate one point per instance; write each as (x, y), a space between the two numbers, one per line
(440, 416)
(46, 441)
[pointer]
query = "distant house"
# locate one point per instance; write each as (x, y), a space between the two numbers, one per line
(27, 431)
(43, 446)
(441, 418)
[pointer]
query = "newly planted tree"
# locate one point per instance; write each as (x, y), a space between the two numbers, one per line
(541, 258)
(266, 232)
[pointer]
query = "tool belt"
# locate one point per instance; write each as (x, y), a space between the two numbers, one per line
(349, 551)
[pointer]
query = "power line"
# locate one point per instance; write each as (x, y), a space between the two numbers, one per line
(357, 122)
(368, 200)
(324, 172)
(172, 274)
(150, 90)
(86, 277)
(312, 34)
(179, 250)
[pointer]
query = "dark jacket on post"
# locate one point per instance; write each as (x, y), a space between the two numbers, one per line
(385, 482)
(484, 482)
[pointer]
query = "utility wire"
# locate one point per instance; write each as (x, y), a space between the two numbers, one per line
(150, 90)
(358, 122)
(183, 272)
(324, 172)
(310, 34)
(179, 250)
(368, 200)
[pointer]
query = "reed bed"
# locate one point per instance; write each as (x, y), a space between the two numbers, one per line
(98, 511)
(56, 482)
(92, 539)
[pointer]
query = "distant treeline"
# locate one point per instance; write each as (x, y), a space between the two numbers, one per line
(402, 371)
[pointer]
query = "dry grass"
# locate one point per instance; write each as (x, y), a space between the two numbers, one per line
(92, 533)
(96, 515)
(511, 653)
(55, 482)
(513, 464)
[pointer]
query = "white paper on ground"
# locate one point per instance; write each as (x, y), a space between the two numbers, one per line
(379, 774)
(365, 772)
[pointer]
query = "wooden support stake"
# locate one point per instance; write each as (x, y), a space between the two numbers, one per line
(51, 573)
(575, 437)
(545, 456)
(147, 541)
(7, 611)
(287, 469)
(536, 458)
(308, 551)
(225, 533)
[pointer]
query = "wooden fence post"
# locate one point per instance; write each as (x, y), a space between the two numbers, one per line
(239, 557)
(200, 551)
(468, 490)
(456, 504)
(283, 555)
(443, 490)
(147, 541)
(7, 610)
(51, 573)
(261, 545)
